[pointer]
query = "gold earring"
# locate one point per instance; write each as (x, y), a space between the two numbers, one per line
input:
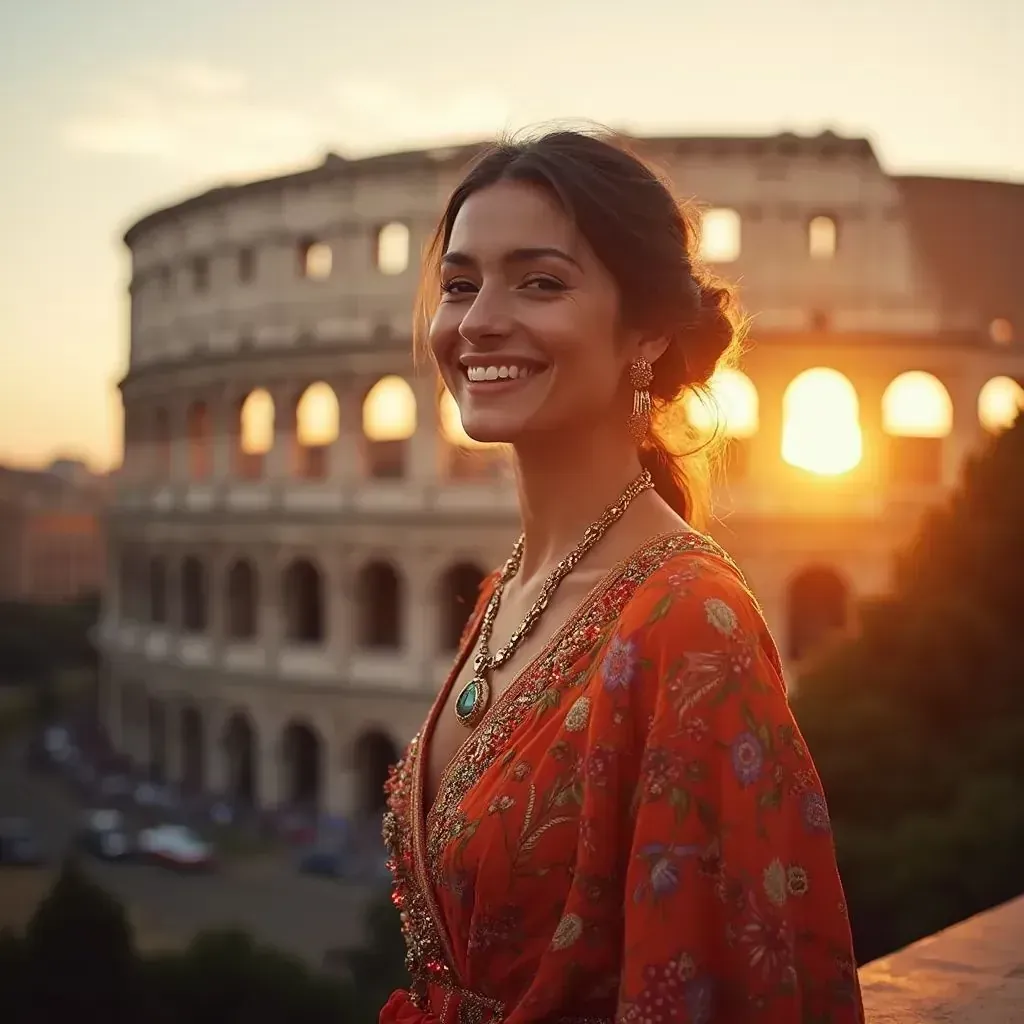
(641, 373)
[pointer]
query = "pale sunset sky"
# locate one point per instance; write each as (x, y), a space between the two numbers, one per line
(112, 108)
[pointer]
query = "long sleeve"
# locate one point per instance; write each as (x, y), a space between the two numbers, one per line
(734, 911)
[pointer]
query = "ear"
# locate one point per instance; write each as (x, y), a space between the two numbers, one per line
(652, 349)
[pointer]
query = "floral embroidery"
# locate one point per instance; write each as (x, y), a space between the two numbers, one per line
(720, 615)
(619, 664)
(635, 832)
(578, 715)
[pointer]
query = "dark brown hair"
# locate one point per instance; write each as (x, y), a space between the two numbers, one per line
(648, 242)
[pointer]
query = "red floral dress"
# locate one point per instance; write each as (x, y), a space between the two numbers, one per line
(634, 833)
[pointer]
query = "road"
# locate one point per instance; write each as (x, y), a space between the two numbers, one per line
(265, 897)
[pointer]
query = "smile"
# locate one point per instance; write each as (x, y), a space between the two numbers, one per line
(498, 371)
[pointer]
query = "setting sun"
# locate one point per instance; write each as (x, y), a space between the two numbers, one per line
(821, 423)
(1000, 403)
(917, 404)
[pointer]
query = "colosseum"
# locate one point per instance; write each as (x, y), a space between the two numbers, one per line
(301, 523)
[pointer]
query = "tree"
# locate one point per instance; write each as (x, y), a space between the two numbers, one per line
(80, 955)
(917, 724)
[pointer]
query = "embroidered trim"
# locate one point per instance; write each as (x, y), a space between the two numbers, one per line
(416, 840)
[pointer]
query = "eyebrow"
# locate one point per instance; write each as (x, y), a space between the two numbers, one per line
(462, 259)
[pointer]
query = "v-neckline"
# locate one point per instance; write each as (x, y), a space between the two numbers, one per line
(421, 815)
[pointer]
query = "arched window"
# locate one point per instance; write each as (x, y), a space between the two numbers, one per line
(239, 751)
(379, 600)
(316, 429)
(242, 601)
(316, 261)
(999, 404)
(255, 434)
(818, 608)
(194, 596)
(917, 413)
(821, 423)
(731, 406)
(157, 591)
(304, 603)
(302, 770)
(374, 754)
(389, 420)
(460, 587)
(393, 248)
(720, 236)
(822, 238)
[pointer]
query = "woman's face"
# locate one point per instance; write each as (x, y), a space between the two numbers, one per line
(527, 334)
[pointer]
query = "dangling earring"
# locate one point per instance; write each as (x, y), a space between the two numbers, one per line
(641, 373)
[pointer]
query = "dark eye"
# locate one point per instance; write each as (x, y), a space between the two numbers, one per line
(458, 286)
(544, 283)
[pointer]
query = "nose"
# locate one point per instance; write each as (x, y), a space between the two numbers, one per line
(488, 320)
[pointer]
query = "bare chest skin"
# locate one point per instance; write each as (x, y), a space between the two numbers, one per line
(449, 733)
(642, 522)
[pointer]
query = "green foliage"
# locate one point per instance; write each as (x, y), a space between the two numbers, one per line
(39, 641)
(917, 725)
(77, 961)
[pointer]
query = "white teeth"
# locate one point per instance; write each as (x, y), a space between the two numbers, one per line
(478, 373)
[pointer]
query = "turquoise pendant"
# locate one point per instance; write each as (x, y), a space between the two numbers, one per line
(472, 702)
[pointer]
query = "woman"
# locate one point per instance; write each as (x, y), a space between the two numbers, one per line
(609, 814)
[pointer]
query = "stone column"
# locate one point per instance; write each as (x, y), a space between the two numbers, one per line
(345, 460)
(425, 444)
(270, 613)
(278, 461)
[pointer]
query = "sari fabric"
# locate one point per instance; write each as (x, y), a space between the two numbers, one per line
(634, 833)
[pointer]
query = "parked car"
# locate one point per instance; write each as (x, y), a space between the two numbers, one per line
(18, 844)
(105, 835)
(176, 846)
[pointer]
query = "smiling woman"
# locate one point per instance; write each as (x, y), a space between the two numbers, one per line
(609, 814)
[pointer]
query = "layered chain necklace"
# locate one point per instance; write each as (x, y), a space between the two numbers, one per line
(473, 701)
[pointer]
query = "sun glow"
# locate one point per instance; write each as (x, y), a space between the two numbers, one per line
(389, 410)
(451, 424)
(821, 423)
(999, 404)
(731, 406)
(916, 404)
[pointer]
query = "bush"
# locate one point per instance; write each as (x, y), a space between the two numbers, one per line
(917, 725)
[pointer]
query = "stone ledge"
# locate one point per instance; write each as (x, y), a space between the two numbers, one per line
(971, 973)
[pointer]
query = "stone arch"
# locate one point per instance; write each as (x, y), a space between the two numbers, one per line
(303, 584)
(821, 429)
(373, 755)
(199, 435)
(379, 606)
(459, 589)
(193, 761)
(194, 595)
(389, 422)
(315, 430)
(302, 766)
(255, 434)
(242, 600)
(238, 748)
(999, 404)
(818, 605)
(917, 413)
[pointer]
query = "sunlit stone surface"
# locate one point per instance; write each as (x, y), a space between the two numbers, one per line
(972, 973)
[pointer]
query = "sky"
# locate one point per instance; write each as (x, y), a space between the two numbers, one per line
(112, 108)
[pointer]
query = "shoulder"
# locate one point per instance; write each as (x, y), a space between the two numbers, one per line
(693, 608)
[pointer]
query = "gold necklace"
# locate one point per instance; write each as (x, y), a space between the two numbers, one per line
(475, 697)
